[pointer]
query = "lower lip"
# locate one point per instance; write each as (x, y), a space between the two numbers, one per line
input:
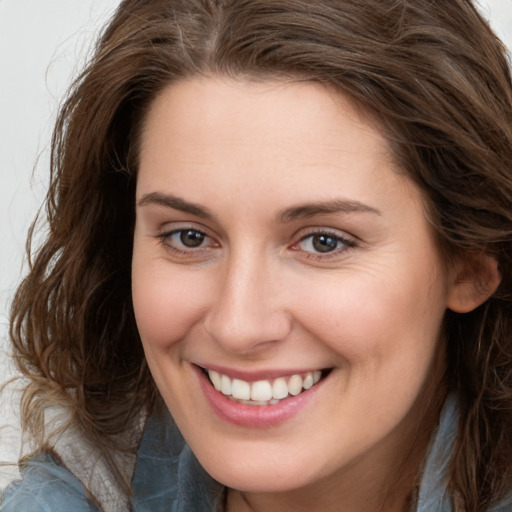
(255, 416)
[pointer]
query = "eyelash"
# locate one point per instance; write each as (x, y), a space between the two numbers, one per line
(166, 240)
(181, 249)
(346, 244)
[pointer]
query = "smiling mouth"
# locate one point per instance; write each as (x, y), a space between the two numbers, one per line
(264, 392)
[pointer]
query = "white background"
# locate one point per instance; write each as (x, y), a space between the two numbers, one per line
(43, 43)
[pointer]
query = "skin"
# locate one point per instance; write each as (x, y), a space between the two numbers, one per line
(256, 295)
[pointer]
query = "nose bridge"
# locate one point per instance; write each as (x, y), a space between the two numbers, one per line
(248, 310)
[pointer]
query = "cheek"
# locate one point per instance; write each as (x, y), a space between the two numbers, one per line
(379, 316)
(167, 304)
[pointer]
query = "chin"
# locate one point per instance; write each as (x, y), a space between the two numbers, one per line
(268, 473)
(258, 480)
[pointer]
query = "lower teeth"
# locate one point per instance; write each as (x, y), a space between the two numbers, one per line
(254, 402)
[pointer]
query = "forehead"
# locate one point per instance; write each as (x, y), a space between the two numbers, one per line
(215, 99)
(294, 124)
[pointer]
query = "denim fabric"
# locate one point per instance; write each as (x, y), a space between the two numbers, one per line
(433, 496)
(47, 486)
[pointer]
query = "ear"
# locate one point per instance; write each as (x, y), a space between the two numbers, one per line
(476, 278)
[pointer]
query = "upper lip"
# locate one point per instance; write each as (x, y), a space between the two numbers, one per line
(256, 375)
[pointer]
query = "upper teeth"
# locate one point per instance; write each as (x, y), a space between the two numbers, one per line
(263, 391)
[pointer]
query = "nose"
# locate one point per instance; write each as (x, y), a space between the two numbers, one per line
(248, 307)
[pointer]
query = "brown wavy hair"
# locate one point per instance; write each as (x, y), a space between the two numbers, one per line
(434, 76)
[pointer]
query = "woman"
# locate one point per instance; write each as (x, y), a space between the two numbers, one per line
(288, 225)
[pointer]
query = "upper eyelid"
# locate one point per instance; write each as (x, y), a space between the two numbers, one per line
(302, 233)
(166, 230)
(172, 227)
(327, 231)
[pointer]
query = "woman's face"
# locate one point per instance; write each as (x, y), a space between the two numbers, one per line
(277, 248)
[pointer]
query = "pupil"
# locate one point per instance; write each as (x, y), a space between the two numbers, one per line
(191, 238)
(324, 243)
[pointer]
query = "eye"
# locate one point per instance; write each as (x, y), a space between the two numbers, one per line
(190, 237)
(186, 240)
(324, 242)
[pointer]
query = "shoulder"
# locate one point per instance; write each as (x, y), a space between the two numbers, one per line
(46, 485)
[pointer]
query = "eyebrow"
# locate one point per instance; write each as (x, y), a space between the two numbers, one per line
(287, 215)
(176, 203)
(324, 208)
